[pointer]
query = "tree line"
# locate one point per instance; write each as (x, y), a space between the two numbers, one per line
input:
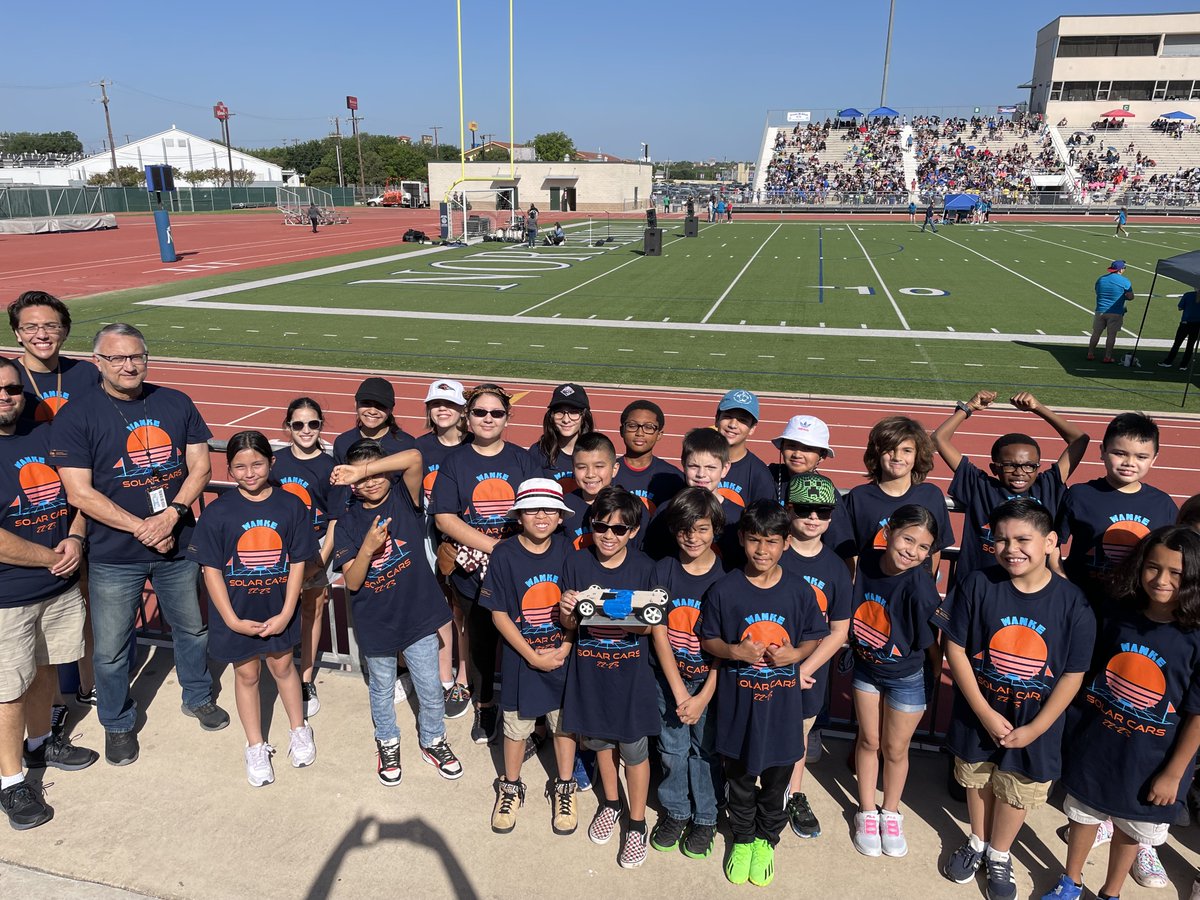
(18, 143)
(132, 176)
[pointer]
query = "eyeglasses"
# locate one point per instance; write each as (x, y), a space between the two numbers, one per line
(567, 412)
(605, 528)
(121, 360)
(314, 425)
(643, 427)
(13, 390)
(48, 327)
(804, 510)
(1024, 468)
(485, 413)
(543, 513)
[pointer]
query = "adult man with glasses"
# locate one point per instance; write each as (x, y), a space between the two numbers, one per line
(639, 471)
(1016, 459)
(42, 324)
(134, 459)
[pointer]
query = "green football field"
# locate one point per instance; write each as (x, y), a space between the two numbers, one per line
(837, 308)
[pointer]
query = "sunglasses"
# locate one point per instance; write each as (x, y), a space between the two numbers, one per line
(314, 425)
(13, 390)
(485, 413)
(605, 528)
(804, 510)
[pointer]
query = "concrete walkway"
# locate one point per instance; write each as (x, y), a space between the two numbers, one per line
(183, 822)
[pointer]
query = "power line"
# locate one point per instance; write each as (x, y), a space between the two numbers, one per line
(203, 106)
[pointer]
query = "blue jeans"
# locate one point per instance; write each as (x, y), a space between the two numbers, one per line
(904, 693)
(691, 768)
(422, 660)
(115, 590)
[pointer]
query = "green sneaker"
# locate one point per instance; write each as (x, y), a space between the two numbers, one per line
(762, 863)
(737, 867)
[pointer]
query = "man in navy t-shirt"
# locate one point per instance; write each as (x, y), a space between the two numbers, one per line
(134, 459)
(42, 324)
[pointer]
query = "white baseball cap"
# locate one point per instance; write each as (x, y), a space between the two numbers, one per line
(449, 390)
(540, 493)
(807, 430)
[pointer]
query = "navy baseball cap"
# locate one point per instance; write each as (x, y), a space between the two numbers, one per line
(1116, 265)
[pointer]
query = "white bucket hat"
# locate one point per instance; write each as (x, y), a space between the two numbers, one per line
(449, 390)
(540, 493)
(807, 430)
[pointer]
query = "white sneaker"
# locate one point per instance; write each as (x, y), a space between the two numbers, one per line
(258, 764)
(1147, 870)
(866, 833)
(404, 687)
(1103, 833)
(891, 837)
(302, 749)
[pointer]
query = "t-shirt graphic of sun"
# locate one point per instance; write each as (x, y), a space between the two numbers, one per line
(387, 555)
(872, 626)
(539, 611)
(40, 485)
(1135, 683)
(259, 551)
(681, 632)
(492, 498)
(1119, 539)
(766, 628)
(1016, 654)
(148, 449)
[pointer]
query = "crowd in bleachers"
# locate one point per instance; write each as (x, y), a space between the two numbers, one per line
(871, 165)
(1173, 127)
(953, 155)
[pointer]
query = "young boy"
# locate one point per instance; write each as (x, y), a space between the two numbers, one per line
(687, 680)
(522, 590)
(811, 501)
(748, 478)
(397, 607)
(1015, 461)
(766, 622)
(1105, 517)
(642, 473)
(1018, 640)
(595, 464)
(609, 700)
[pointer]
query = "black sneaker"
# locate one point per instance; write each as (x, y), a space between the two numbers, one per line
(24, 806)
(457, 700)
(484, 727)
(667, 833)
(120, 747)
(308, 694)
(211, 716)
(85, 698)
(801, 817)
(60, 753)
(812, 752)
(388, 765)
(442, 758)
(699, 841)
(963, 864)
(58, 719)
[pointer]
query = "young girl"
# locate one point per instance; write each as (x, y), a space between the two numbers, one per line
(303, 468)
(802, 446)
(252, 544)
(895, 602)
(567, 418)
(899, 455)
(1139, 715)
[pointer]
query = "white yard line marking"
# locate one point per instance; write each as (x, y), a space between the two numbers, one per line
(720, 300)
(882, 283)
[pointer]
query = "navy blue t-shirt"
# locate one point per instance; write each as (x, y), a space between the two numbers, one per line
(655, 484)
(132, 448)
(253, 544)
(1144, 678)
(393, 442)
(1104, 524)
(687, 599)
(562, 470)
(826, 574)
(399, 602)
(579, 526)
(35, 509)
(981, 493)
(48, 392)
(481, 490)
(525, 586)
(659, 542)
(433, 452)
(610, 693)
(1018, 645)
(760, 708)
(308, 479)
(859, 520)
(894, 617)
(748, 480)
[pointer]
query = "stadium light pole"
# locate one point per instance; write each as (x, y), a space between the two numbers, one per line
(887, 54)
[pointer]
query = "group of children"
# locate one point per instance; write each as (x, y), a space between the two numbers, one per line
(460, 548)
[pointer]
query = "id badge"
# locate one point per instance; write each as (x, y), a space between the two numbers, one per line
(158, 499)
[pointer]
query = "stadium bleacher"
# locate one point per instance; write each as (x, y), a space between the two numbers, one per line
(840, 162)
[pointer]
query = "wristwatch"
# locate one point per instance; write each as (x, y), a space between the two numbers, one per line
(183, 511)
(964, 408)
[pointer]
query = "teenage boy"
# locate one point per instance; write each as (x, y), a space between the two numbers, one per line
(748, 478)
(1016, 459)
(811, 501)
(609, 700)
(1105, 518)
(522, 589)
(1018, 641)
(766, 622)
(642, 473)
(397, 607)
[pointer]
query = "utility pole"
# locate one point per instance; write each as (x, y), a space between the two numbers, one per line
(435, 129)
(337, 147)
(887, 54)
(352, 105)
(112, 146)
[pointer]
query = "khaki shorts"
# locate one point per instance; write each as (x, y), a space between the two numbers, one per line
(48, 633)
(518, 729)
(1152, 833)
(1016, 790)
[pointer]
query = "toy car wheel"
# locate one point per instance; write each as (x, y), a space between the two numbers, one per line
(661, 597)
(652, 615)
(585, 609)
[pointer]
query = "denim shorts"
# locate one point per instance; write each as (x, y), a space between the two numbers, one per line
(904, 693)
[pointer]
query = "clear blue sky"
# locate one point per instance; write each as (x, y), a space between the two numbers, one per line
(694, 79)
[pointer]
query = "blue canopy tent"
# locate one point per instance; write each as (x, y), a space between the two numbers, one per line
(849, 113)
(882, 111)
(955, 202)
(1177, 114)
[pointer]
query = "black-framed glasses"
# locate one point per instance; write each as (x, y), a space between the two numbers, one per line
(121, 359)
(804, 510)
(13, 390)
(48, 327)
(314, 425)
(485, 413)
(1025, 468)
(643, 427)
(567, 412)
(620, 530)
(542, 512)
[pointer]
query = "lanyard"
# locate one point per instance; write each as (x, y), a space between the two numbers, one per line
(37, 390)
(144, 441)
